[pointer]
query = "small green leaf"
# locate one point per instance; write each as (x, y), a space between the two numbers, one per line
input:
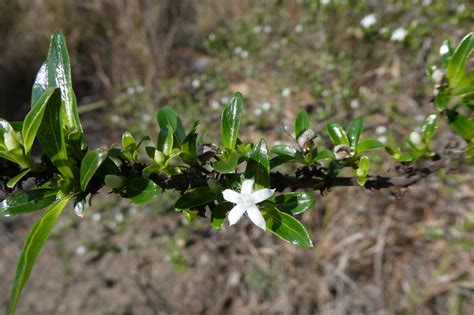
(354, 130)
(294, 202)
(442, 98)
(27, 201)
(90, 164)
(369, 144)
(258, 165)
(141, 190)
(14, 180)
(364, 164)
(34, 117)
(283, 149)
(189, 149)
(128, 141)
(337, 134)
(324, 155)
(230, 121)
(227, 162)
(219, 213)
(281, 159)
(302, 123)
(165, 141)
(51, 135)
(461, 124)
(167, 117)
(286, 227)
(429, 128)
(194, 198)
(456, 69)
(31, 249)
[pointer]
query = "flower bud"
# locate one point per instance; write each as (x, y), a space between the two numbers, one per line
(415, 139)
(114, 181)
(342, 151)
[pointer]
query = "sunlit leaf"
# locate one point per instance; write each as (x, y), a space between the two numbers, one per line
(230, 121)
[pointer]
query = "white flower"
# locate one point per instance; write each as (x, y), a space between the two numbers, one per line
(246, 201)
(368, 21)
(399, 35)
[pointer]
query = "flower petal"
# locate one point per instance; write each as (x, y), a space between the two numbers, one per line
(262, 194)
(247, 186)
(235, 214)
(256, 217)
(231, 195)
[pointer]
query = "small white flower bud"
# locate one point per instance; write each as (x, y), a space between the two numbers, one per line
(415, 138)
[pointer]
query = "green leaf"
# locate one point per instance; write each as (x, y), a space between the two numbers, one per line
(31, 249)
(56, 71)
(294, 202)
(14, 180)
(141, 190)
(286, 227)
(364, 164)
(369, 144)
(34, 118)
(227, 162)
(283, 149)
(128, 141)
(461, 124)
(27, 201)
(302, 123)
(354, 130)
(456, 69)
(51, 135)
(337, 134)
(258, 165)
(194, 198)
(324, 155)
(219, 213)
(429, 128)
(230, 121)
(165, 141)
(189, 149)
(442, 98)
(281, 159)
(90, 164)
(167, 117)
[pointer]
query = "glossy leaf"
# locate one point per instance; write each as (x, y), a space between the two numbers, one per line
(230, 121)
(283, 149)
(165, 141)
(90, 164)
(56, 71)
(364, 164)
(189, 149)
(27, 201)
(456, 69)
(194, 198)
(128, 141)
(34, 118)
(324, 155)
(141, 190)
(429, 128)
(219, 214)
(14, 180)
(461, 124)
(354, 130)
(286, 227)
(227, 162)
(369, 144)
(337, 134)
(302, 123)
(31, 249)
(258, 165)
(167, 117)
(445, 52)
(51, 135)
(294, 202)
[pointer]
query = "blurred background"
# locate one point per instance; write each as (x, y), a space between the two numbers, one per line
(386, 252)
